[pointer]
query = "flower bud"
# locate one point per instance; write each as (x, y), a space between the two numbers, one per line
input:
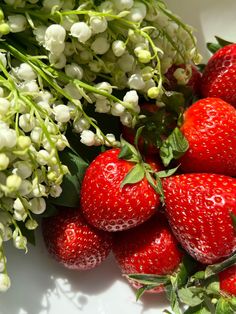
(4, 161)
(37, 205)
(20, 242)
(118, 48)
(17, 23)
(13, 182)
(5, 282)
(31, 224)
(62, 113)
(87, 137)
(81, 31)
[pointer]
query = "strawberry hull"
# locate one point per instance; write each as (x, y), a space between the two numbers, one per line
(199, 209)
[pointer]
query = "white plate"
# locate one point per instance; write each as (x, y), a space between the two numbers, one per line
(41, 286)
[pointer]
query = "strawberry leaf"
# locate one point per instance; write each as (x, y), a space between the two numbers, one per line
(137, 136)
(190, 297)
(222, 42)
(173, 147)
(167, 172)
(199, 309)
(173, 298)
(223, 306)
(136, 174)
(140, 292)
(213, 47)
(216, 268)
(149, 280)
(128, 152)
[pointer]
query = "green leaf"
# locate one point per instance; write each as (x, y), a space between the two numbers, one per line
(216, 268)
(213, 47)
(200, 275)
(149, 280)
(167, 172)
(200, 309)
(233, 217)
(223, 307)
(214, 286)
(137, 135)
(72, 182)
(173, 298)
(222, 42)
(186, 268)
(173, 147)
(136, 174)
(187, 296)
(174, 101)
(140, 292)
(128, 151)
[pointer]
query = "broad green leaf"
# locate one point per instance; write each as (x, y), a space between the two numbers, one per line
(200, 275)
(72, 182)
(222, 42)
(187, 296)
(173, 147)
(186, 268)
(136, 174)
(216, 268)
(223, 307)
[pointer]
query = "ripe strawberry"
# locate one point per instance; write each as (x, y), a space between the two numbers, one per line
(194, 82)
(227, 280)
(219, 75)
(209, 126)
(199, 209)
(72, 242)
(105, 204)
(147, 249)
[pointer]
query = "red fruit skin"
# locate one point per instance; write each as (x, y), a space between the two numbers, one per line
(74, 243)
(219, 75)
(147, 249)
(105, 204)
(198, 208)
(227, 280)
(194, 82)
(209, 126)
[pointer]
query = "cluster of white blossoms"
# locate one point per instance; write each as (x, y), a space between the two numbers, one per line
(75, 55)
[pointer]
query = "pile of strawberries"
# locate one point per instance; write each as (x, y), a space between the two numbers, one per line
(154, 219)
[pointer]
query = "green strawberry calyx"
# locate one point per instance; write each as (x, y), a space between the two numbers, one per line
(142, 169)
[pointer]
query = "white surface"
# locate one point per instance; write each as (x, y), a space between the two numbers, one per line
(41, 286)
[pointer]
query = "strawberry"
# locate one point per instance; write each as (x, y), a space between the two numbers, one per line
(209, 127)
(148, 249)
(227, 280)
(74, 243)
(200, 210)
(219, 75)
(106, 204)
(193, 83)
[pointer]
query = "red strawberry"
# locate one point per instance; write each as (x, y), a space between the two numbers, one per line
(199, 209)
(209, 126)
(219, 75)
(194, 81)
(148, 249)
(228, 280)
(105, 204)
(72, 242)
